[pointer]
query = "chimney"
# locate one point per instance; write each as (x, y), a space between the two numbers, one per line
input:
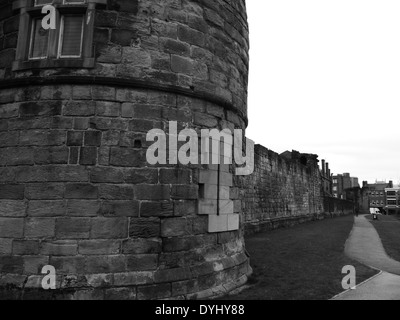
(323, 168)
(390, 184)
(328, 171)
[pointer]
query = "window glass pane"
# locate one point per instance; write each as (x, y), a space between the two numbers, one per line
(42, 2)
(39, 40)
(71, 35)
(74, 1)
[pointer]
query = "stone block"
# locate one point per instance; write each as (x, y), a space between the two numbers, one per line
(141, 246)
(101, 280)
(12, 208)
(120, 208)
(92, 138)
(68, 264)
(116, 192)
(126, 157)
(208, 207)
(109, 228)
(40, 227)
(74, 138)
(218, 223)
(226, 179)
(79, 108)
(156, 209)
(108, 109)
(11, 227)
(125, 294)
(175, 47)
(99, 247)
(152, 192)
(81, 191)
(105, 264)
(83, 208)
(59, 248)
(88, 156)
(34, 264)
(225, 206)
(172, 275)
(5, 246)
(25, 247)
(73, 228)
(233, 222)
(175, 227)
(12, 191)
(106, 175)
(184, 192)
(177, 244)
(210, 192)
(158, 291)
(133, 278)
(145, 228)
(142, 262)
(185, 208)
(181, 65)
(47, 208)
(208, 177)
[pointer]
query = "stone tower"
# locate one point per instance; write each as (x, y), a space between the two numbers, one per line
(76, 190)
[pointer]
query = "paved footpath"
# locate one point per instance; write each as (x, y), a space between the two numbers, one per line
(365, 246)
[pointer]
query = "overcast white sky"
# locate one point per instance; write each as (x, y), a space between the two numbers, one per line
(325, 79)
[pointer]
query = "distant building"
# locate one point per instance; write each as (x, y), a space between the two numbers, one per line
(377, 195)
(354, 182)
(342, 182)
(326, 178)
(392, 200)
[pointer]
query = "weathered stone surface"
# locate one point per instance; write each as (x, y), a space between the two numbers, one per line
(12, 208)
(120, 208)
(141, 246)
(142, 262)
(109, 228)
(73, 228)
(11, 227)
(99, 247)
(145, 228)
(156, 209)
(59, 248)
(174, 227)
(159, 291)
(76, 189)
(25, 247)
(40, 227)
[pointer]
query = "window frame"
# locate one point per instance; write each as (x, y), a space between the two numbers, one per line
(30, 45)
(29, 10)
(61, 38)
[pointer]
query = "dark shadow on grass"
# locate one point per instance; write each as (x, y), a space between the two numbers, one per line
(388, 228)
(300, 263)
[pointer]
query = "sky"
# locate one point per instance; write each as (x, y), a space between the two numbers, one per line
(325, 79)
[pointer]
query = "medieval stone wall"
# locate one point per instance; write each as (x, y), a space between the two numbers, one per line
(284, 190)
(76, 191)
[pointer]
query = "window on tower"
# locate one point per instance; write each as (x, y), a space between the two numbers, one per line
(68, 45)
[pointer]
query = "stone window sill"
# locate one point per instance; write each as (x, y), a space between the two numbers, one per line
(53, 63)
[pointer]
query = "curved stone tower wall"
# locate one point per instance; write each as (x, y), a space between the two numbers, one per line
(76, 191)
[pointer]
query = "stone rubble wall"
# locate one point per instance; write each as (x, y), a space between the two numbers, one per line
(283, 191)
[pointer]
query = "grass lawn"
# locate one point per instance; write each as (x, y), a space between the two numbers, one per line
(388, 228)
(300, 263)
